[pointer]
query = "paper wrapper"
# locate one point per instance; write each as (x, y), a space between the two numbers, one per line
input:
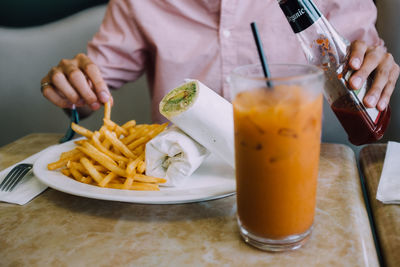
(209, 121)
(174, 156)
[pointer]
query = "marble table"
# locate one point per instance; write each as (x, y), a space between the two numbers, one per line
(58, 229)
(386, 217)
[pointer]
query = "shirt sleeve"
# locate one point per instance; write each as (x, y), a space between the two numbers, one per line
(354, 19)
(118, 48)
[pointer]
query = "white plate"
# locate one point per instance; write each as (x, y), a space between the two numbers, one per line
(212, 180)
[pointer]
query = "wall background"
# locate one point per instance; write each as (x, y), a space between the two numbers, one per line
(388, 25)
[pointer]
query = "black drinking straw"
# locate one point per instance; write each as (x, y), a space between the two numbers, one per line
(261, 53)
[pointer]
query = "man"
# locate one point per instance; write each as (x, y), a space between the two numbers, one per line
(206, 39)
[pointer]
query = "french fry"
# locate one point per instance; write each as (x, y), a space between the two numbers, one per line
(102, 131)
(66, 172)
(76, 173)
(86, 180)
(131, 168)
(107, 179)
(99, 146)
(79, 167)
(107, 110)
(94, 150)
(130, 171)
(63, 162)
(150, 134)
(158, 130)
(141, 168)
(101, 168)
(138, 142)
(107, 144)
(68, 154)
(115, 150)
(139, 150)
(91, 169)
(129, 124)
(103, 160)
(132, 130)
(128, 183)
(80, 142)
(149, 179)
(118, 144)
(122, 164)
(113, 126)
(79, 177)
(137, 132)
(81, 130)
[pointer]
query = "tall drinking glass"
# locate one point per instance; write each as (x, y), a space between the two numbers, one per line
(277, 146)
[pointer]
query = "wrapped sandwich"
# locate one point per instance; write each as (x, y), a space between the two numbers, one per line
(203, 115)
(174, 156)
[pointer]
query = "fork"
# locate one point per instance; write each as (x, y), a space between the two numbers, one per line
(15, 176)
(73, 118)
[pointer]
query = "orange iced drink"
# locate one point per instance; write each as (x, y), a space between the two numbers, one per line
(277, 146)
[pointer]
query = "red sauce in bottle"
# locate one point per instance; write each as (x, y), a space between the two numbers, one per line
(325, 47)
(357, 124)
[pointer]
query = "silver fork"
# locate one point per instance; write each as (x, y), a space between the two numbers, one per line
(15, 176)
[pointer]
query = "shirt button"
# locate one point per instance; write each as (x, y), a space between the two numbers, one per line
(226, 33)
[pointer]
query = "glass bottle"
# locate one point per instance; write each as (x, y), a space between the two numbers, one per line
(325, 47)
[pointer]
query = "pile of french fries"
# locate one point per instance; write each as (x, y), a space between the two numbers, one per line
(113, 156)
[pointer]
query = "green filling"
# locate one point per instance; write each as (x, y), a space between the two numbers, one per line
(178, 99)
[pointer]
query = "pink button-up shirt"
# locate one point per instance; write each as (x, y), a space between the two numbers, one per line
(171, 40)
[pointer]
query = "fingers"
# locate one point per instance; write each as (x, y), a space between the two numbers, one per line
(76, 81)
(381, 80)
(371, 60)
(51, 94)
(93, 73)
(366, 60)
(389, 87)
(357, 53)
(59, 81)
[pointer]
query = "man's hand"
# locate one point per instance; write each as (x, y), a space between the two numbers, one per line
(76, 81)
(365, 60)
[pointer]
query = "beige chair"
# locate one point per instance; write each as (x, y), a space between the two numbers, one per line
(27, 54)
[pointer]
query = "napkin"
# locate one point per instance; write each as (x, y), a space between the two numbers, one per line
(389, 184)
(174, 156)
(28, 188)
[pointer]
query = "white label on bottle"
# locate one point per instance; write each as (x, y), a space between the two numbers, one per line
(372, 112)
